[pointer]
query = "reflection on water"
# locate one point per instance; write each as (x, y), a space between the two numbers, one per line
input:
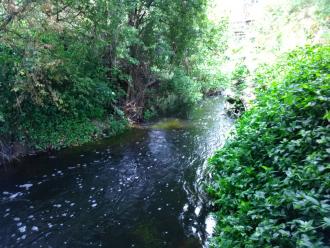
(141, 189)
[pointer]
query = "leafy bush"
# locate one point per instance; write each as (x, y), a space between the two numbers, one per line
(215, 83)
(239, 77)
(149, 114)
(176, 93)
(271, 180)
(51, 95)
(116, 125)
(187, 90)
(62, 131)
(59, 133)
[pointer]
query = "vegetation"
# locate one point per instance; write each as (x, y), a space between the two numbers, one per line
(272, 28)
(239, 77)
(271, 179)
(73, 70)
(239, 81)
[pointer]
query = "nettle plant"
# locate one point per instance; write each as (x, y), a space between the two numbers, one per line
(271, 180)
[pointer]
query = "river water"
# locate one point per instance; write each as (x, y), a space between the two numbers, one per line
(140, 189)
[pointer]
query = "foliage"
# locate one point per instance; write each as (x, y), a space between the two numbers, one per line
(270, 182)
(288, 24)
(149, 114)
(208, 62)
(187, 90)
(66, 65)
(59, 133)
(239, 77)
(178, 93)
(273, 27)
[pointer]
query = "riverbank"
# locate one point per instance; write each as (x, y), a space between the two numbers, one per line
(77, 134)
(72, 71)
(270, 182)
(143, 188)
(66, 136)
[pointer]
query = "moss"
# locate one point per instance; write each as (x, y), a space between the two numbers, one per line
(171, 123)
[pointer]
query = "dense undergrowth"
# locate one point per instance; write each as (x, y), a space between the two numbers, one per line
(271, 180)
(72, 71)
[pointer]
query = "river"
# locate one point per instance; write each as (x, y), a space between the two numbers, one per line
(140, 189)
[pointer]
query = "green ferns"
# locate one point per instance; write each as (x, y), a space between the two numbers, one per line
(271, 181)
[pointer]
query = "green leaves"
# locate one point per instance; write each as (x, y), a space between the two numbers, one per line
(273, 175)
(74, 62)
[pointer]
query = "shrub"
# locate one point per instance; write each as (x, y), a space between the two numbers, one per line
(149, 114)
(177, 93)
(187, 90)
(271, 180)
(239, 77)
(52, 96)
(59, 133)
(215, 83)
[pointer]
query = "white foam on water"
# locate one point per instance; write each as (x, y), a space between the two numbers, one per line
(13, 196)
(35, 229)
(26, 186)
(22, 229)
(210, 224)
(198, 210)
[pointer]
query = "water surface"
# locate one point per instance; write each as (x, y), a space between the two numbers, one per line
(140, 189)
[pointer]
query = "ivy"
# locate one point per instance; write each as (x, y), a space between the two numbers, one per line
(271, 180)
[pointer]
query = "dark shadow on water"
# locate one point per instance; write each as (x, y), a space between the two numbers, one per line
(139, 189)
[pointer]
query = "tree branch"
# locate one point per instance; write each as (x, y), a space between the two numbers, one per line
(15, 13)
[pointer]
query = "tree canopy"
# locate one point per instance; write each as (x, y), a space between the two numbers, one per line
(69, 62)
